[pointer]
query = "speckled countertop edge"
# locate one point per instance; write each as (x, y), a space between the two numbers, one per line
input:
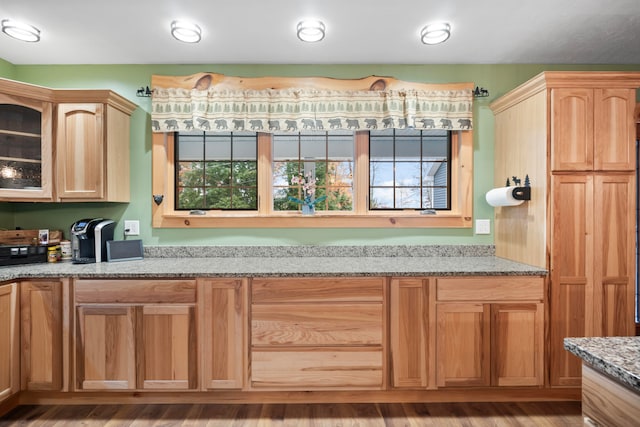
(618, 357)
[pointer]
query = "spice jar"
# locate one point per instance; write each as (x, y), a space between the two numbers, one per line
(52, 254)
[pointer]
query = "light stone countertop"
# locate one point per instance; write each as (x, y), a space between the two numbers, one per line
(271, 266)
(618, 357)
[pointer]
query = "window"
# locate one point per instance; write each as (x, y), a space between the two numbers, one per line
(409, 169)
(326, 157)
(377, 178)
(216, 171)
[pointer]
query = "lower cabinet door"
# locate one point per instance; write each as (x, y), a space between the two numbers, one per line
(167, 348)
(105, 348)
(41, 314)
(317, 368)
(9, 341)
(517, 347)
(463, 336)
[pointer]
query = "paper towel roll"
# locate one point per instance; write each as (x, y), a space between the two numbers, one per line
(502, 196)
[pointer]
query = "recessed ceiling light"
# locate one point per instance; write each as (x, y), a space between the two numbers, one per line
(310, 30)
(435, 33)
(186, 32)
(21, 31)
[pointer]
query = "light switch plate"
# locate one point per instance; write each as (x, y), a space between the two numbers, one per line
(483, 226)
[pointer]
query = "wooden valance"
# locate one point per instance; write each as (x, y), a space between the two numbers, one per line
(215, 102)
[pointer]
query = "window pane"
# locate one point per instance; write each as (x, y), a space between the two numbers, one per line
(408, 174)
(381, 148)
(218, 174)
(313, 147)
(285, 147)
(245, 173)
(381, 198)
(190, 198)
(408, 198)
(244, 198)
(381, 174)
(218, 147)
(340, 173)
(407, 148)
(190, 174)
(218, 198)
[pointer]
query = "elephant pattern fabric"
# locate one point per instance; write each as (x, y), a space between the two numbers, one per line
(295, 110)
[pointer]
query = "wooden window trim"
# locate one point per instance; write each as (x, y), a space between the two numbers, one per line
(460, 216)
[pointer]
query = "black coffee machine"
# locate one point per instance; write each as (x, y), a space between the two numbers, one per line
(89, 239)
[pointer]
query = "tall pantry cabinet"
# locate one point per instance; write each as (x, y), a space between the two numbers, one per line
(573, 133)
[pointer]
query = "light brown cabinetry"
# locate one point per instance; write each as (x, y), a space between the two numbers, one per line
(41, 338)
(92, 157)
(136, 334)
(318, 333)
(25, 146)
(490, 331)
(9, 341)
(63, 145)
(223, 337)
(411, 336)
(573, 134)
(591, 129)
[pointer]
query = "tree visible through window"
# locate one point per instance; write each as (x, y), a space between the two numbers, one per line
(216, 171)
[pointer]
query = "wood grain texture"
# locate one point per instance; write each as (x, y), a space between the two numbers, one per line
(304, 289)
(9, 341)
(524, 414)
(135, 291)
(608, 402)
(490, 288)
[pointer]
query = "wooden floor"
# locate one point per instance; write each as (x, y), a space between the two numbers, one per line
(534, 414)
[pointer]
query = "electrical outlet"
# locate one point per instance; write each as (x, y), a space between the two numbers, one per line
(483, 226)
(132, 227)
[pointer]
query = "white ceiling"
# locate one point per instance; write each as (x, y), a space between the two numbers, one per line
(358, 31)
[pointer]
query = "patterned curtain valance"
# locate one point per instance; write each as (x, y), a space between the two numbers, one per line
(230, 107)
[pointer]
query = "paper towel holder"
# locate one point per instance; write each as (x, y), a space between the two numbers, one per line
(521, 193)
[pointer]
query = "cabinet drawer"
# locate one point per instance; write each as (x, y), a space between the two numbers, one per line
(135, 291)
(316, 324)
(304, 289)
(490, 288)
(317, 368)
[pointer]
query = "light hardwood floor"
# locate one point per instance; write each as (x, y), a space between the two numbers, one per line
(534, 414)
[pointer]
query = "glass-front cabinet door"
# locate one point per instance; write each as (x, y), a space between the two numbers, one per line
(25, 149)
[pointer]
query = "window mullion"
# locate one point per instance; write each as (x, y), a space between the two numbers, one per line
(361, 170)
(265, 172)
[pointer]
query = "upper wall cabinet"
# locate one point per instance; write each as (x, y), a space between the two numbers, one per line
(86, 159)
(592, 129)
(25, 148)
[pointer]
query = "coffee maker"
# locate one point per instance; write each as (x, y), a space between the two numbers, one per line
(89, 239)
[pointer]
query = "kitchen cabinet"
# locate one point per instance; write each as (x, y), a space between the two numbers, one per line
(318, 333)
(490, 332)
(9, 341)
(63, 144)
(41, 338)
(136, 334)
(592, 129)
(410, 332)
(92, 156)
(223, 332)
(573, 133)
(25, 147)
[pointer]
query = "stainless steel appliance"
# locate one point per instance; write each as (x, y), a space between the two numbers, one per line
(89, 239)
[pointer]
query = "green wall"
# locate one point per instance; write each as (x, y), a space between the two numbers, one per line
(126, 79)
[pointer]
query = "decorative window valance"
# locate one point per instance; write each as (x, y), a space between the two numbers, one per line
(214, 102)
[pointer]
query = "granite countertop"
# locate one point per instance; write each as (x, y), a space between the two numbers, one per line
(619, 357)
(183, 261)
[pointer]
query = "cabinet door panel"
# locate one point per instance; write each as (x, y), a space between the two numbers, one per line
(41, 313)
(614, 261)
(409, 334)
(571, 307)
(614, 130)
(517, 344)
(223, 333)
(572, 129)
(9, 340)
(80, 157)
(167, 348)
(105, 347)
(463, 344)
